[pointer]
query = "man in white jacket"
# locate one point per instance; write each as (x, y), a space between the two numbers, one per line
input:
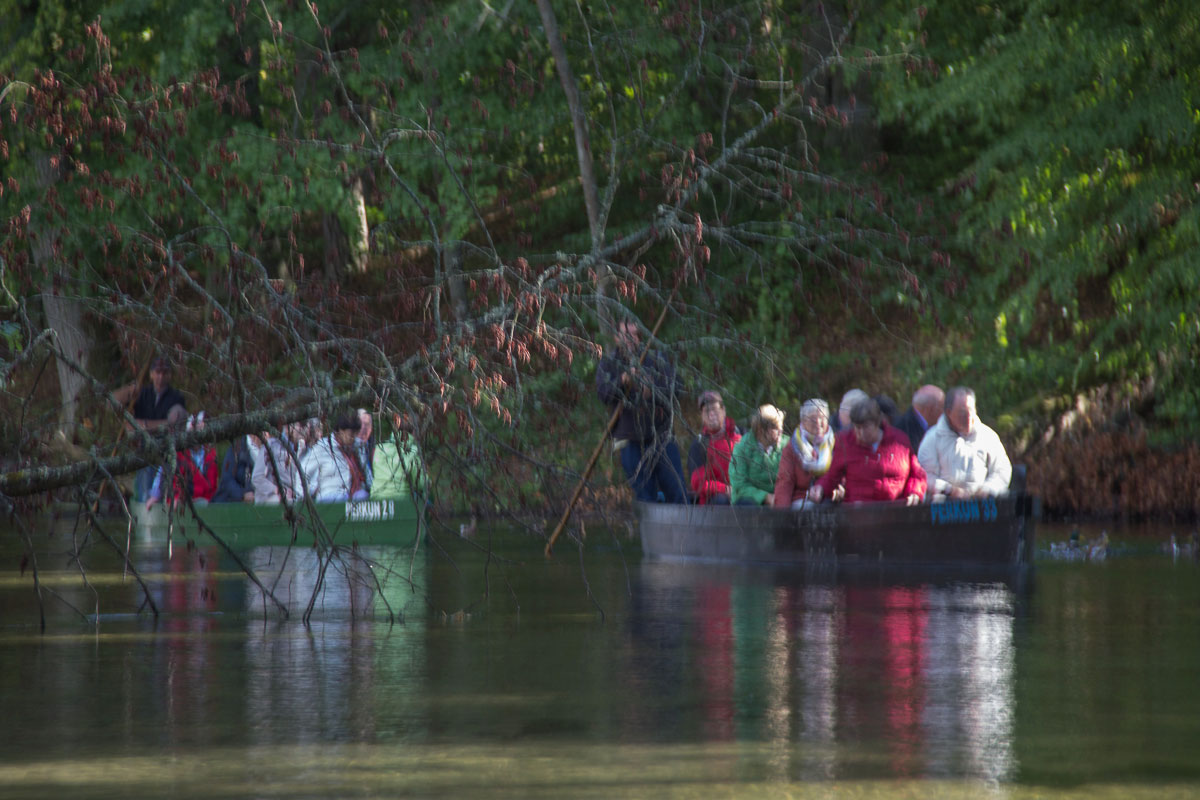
(332, 468)
(961, 456)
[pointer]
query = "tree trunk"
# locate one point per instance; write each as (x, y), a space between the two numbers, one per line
(453, 257)
(859, 139)
(334, 250)
(583, 147)
(64, 314)
(361, 239)
(346, 250)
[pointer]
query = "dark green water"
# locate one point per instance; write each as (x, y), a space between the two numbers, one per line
(512, 676)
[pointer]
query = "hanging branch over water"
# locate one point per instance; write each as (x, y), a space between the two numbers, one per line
(217, 217)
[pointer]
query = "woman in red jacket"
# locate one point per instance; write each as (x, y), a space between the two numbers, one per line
(709, 456)
(874, 462)
(195, 468)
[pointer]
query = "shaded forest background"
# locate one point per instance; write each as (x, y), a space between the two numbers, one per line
(435, 209)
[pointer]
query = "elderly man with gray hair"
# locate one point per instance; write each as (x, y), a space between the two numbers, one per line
(961, 456)
(926, 408)
(849, 400)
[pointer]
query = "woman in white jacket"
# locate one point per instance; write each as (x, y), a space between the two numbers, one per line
(282, 454)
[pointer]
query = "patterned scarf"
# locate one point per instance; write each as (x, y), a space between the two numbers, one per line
(358, 477)
(814, 458)
(193, 422)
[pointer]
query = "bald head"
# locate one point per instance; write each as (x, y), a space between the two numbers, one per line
(928, 401)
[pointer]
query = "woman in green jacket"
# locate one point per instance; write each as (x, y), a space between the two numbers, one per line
(755, 461)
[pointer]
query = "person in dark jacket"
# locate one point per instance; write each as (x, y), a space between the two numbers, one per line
(887, 407)
(926, 408)
(644, 432)
(237, 471)
(156, 405)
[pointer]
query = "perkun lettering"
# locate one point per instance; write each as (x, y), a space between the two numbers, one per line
(370, 511)
(963, 511)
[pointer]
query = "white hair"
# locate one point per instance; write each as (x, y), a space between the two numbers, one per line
(852, 398)
(812, 407)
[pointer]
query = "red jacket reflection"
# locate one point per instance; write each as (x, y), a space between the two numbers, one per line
(889, 472)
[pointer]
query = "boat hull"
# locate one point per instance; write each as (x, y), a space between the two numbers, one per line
(990, 532)
(363, 523)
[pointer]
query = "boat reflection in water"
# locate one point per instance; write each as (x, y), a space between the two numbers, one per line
(294, 684)
(379, 583)
(844, 679)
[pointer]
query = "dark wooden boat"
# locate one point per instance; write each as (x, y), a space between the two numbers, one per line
(993, 533)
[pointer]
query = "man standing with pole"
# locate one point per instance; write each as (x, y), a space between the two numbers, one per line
(643, 398)
(618, 410)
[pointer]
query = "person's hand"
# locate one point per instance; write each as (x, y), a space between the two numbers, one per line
(912, 500)
(150, 501)
(248, 497)
(814, 493)
(959, 493)
(770, 501)
(626, 380)
(838, 494)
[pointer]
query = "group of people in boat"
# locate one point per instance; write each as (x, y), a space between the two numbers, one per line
(868, 452)
(347, 463)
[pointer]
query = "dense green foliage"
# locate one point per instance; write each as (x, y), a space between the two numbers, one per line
(1059, 142)
(287, 195)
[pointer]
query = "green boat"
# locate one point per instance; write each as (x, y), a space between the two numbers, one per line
(396, 522)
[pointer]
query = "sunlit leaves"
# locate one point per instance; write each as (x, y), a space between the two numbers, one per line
(1063, 142)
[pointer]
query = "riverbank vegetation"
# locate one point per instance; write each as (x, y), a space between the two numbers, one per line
(436, 210)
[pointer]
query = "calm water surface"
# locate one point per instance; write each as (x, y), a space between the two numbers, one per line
(511, 676)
